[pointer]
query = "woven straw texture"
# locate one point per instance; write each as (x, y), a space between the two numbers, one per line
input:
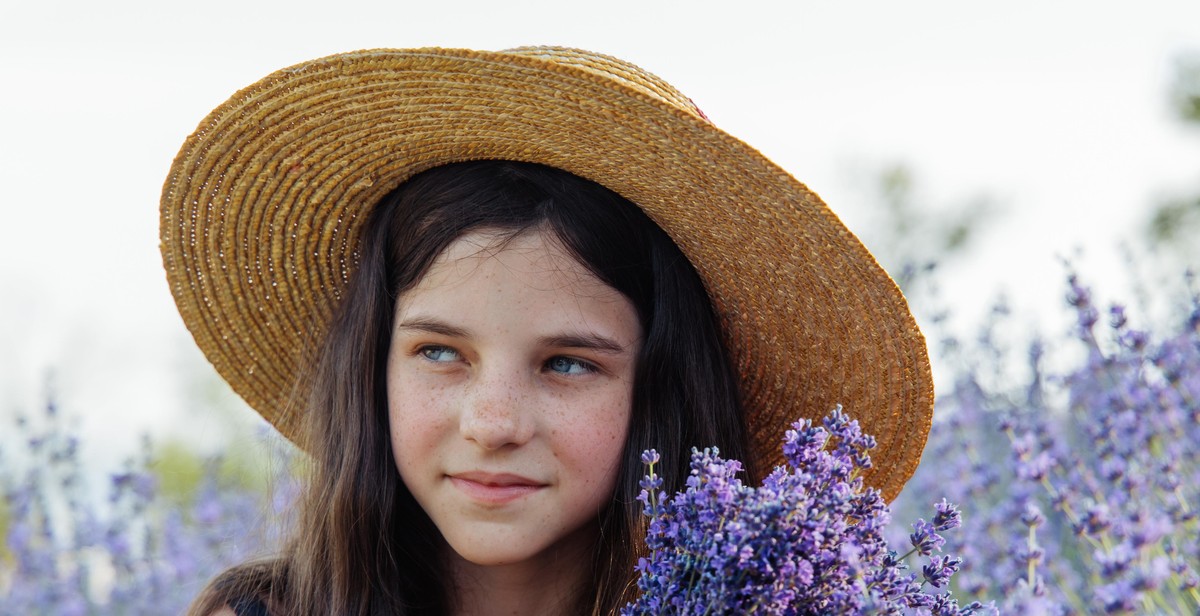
(263, 207)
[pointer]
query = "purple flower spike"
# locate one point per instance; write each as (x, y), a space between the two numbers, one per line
(925, 539)
(1032, 516)
(940, 569)
(947, 516)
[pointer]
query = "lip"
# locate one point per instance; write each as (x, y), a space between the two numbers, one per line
(494, 488)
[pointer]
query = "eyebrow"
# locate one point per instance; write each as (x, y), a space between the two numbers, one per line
(592, 342)
(595, 342)
(434, 326)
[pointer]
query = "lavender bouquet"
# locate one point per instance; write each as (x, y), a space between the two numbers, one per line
(808, 541)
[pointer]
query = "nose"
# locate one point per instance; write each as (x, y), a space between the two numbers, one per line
(497, 412)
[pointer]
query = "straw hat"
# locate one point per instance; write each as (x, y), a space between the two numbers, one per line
(264, 205)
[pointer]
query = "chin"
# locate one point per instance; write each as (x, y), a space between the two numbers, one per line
(489, 556)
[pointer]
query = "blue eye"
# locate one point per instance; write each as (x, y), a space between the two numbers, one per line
(438, 353)
(569, 365)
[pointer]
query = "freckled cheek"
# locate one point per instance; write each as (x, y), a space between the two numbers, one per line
(415, 421)
(592, 442)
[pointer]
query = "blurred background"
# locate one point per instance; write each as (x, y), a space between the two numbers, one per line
(994, 140)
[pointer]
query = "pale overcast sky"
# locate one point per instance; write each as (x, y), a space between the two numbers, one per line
(1056, 110)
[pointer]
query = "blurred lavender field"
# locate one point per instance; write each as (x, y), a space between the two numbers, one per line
(144, 542)
(1079, 487)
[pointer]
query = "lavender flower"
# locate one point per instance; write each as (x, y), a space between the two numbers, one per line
(947, 516)
(925, 539)
(808, 541)
(940, 569)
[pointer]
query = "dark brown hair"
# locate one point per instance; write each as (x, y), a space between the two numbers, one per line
(363, 545)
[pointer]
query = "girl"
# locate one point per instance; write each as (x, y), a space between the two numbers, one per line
(395, 257)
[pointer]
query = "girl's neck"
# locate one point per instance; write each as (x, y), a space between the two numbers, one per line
(548, 585)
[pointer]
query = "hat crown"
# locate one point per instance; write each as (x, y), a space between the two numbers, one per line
(615, 69)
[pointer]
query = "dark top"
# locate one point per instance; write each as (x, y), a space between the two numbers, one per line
(249, 606)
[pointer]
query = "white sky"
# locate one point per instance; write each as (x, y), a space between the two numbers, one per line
(1057, 110)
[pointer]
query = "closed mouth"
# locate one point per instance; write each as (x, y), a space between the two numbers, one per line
(494, 488)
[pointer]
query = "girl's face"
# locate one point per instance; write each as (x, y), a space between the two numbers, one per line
(509, 382)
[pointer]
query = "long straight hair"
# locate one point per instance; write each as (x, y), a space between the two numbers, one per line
(363, 545)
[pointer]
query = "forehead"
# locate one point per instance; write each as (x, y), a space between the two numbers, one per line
(516, 287)
(536, 254)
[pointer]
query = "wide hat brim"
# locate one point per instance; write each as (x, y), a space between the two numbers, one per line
(264, 204)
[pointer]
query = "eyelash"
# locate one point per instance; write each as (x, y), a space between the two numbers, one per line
(432, 351)
(587, 367)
